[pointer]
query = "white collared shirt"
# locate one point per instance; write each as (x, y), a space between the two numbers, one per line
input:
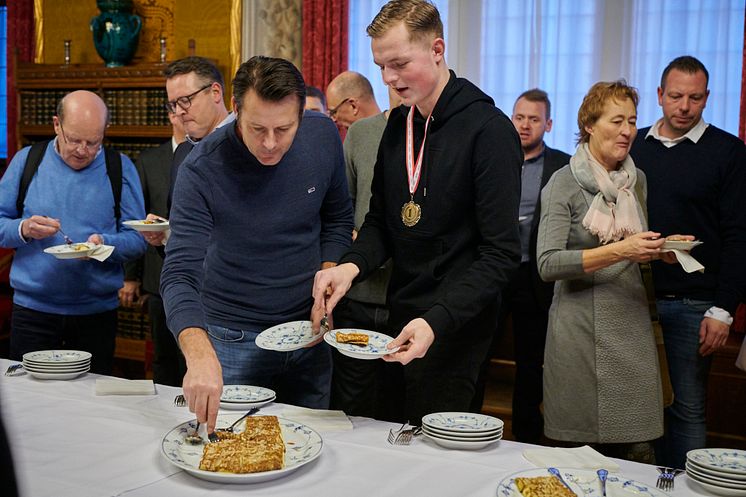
(693, 134)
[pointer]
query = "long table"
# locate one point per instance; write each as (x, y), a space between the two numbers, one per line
(66, 441)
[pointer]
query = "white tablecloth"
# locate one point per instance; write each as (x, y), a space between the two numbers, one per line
(68, 442)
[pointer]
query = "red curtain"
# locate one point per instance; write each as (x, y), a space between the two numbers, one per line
(20, 39)
(325, 40)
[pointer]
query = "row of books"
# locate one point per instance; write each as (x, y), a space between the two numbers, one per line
(137, 107)
(126, 107)
(131, 149)
(133, 324)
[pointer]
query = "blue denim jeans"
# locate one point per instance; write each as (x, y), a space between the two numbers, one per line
(301, 377)
(685, 419)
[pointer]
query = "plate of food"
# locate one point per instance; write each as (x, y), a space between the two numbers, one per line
(539, 482)
(286, 337)
(359, 344)
(680, 244)
(72, 250)
(262, 448)
(147, 224)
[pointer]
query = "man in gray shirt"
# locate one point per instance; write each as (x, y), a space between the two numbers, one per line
(354, 382)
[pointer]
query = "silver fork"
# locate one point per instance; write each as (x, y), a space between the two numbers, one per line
(13, 369)
(665, 478)
(405, 437)
(180, 400)
(193, 438)
(251, 411)
(68, 240)
(393, 434)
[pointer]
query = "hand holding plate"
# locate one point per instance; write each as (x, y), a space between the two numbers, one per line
(414, 341)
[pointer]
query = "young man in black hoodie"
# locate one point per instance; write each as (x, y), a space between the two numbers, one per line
(446, 190)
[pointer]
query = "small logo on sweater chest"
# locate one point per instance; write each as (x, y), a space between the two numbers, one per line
(312, 189)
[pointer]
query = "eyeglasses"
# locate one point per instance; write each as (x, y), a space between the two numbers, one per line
(88, 146)
(333, 112)
(184, 102)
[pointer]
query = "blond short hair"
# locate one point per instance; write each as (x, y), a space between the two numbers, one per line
(595, 101)
(420, 17)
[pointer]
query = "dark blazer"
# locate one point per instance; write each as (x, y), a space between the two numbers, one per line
(553, 160)
(154, 168)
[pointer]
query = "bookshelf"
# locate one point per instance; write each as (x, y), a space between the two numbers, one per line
(134, 94)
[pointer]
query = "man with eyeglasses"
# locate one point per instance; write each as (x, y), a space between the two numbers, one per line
(195, 87)
(350, 98)
(71, 303)
(258, 207)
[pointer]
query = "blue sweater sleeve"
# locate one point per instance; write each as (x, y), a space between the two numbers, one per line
(129, 243)
(191, 224)
(336, 212)
(10, 218)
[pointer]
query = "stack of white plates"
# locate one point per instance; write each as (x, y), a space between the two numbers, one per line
(57, 364)
(245, 397)
(462, 430)
(721, 471)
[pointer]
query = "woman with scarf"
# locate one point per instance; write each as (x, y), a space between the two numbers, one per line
(601, 379)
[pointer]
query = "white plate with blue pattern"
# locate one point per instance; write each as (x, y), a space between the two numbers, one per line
(246, 394)
(302, 445)
(57, 357)
(462, 422)
(286, 337)
(719, 460)
(375, 349)
(585, 483)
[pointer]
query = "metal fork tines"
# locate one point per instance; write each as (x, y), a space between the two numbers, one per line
(14, 370)
(179, 401)
(193, 437)
(403, 436)
(666, 478)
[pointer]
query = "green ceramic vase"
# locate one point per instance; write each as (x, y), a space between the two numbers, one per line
(116, 31)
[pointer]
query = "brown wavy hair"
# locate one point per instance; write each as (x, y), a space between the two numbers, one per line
(595, 101)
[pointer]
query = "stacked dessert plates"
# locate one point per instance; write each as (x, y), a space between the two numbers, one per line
(245, 397)
(57, 364)
(720, 471)
(462, 430)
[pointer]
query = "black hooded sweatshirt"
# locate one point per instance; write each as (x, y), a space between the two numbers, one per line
(452, 265)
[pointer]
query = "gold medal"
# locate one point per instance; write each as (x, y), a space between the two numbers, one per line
(411, 213)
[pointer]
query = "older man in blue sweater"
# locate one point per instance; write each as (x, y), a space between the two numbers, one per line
(258, 207)
(70, 303)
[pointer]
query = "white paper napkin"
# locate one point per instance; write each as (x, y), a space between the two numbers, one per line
(577, 457)
(118, 386)
(318, 419)
(102, 252)
(688, 263)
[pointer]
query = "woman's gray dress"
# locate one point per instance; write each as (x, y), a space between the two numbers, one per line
(601, 377)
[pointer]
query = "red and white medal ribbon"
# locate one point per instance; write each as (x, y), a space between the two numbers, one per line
(414, 169)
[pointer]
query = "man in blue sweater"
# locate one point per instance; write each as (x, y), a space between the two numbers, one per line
(696, 178)
(258, 207)
(70, 303)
